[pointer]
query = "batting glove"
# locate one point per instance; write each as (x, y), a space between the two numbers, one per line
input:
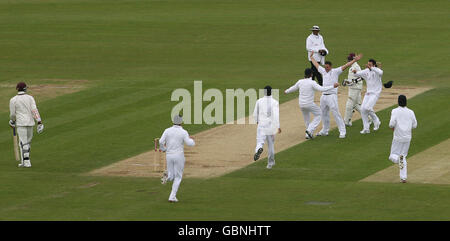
(40, 128)
(12, 124)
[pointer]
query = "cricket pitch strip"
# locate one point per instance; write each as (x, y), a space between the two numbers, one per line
(429, 166)
(227, 148)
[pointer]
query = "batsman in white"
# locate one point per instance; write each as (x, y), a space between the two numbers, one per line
(306, 89)
(328, 100)
(355, 85)
(372, 74)
(267, 116)
(172, 142)
(403, 120)
(23, 114)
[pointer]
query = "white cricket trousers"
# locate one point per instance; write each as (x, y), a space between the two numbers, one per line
(311, 109)
(261, 139)
(175, 168)
(330, 103)
(353, 103)
(25, 134)
(400, 149)
(369, 101)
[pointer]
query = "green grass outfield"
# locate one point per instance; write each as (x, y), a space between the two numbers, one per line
(134, 53)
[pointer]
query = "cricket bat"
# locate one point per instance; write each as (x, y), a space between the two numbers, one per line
(16, 145)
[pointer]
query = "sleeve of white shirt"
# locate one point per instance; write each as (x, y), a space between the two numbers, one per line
(255, 112)
(317, 87)
(362, 73)
(377, 70)
(414, 123)
(189, 141)
(338, 71)
(12, 110)
(392, 122)
(309, 45)
(321, 70)
(292, 88)
(162, 141)
(276, 111)
(34, 110)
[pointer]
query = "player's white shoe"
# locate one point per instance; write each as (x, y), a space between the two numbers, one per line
(322, 133)
(403, 180)
(173, 200)
(258, 154)
(342, 136)
(348, 124)
(309, 135)
(25, 163)
(376, 126)
(164, 178)
(270, 165)
(365, 132)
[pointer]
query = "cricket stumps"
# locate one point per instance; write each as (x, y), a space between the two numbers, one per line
(159, 162)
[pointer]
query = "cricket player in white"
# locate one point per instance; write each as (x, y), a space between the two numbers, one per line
(403, 120)
(372, 74)
(315, 43)
(172, 142)
(355, 85)
(306, 90)
(23, 114)
(267, 116)
(328, 100)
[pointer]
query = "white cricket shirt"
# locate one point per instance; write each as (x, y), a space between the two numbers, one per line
(174, 139)
(403, 120)
(373, 79)
(23, 110)
(306, 90)
(329, 78)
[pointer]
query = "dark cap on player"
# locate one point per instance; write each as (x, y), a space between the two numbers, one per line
(350, 56)
(402, 100)
(308, 72)
(268, 90)
(21, 86)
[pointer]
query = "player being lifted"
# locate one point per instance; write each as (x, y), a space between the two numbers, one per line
(23, 114)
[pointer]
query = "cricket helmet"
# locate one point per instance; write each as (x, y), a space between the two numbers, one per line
(21, 86)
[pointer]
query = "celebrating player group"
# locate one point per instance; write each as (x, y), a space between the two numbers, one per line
(402, 118)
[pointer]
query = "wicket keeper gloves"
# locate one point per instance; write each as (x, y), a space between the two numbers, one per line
(40, 128)
(388, 84)
(12, 123)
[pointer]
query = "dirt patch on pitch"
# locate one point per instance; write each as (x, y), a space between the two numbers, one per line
(228, 147)
(429, 166)
(42, 89)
